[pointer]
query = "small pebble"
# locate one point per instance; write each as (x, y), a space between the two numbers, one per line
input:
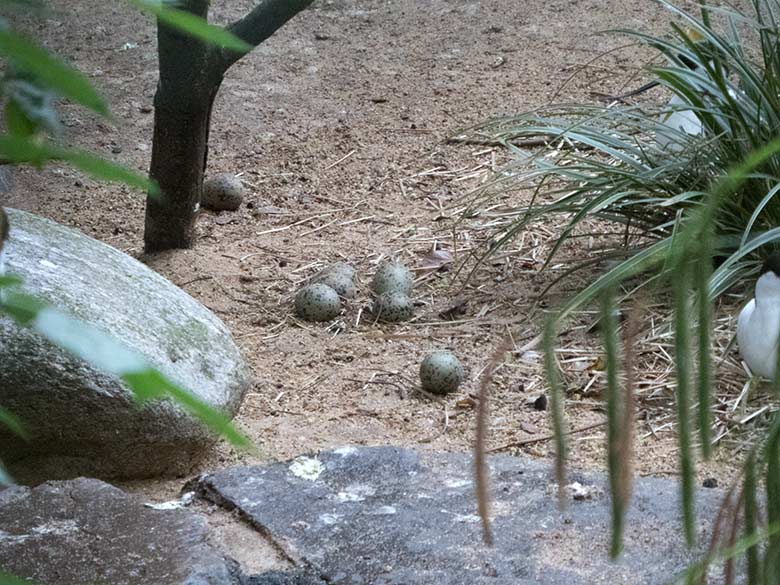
(541, 402)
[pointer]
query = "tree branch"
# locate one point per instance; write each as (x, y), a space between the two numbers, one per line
(259, 24)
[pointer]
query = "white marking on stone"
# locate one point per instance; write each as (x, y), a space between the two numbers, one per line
(184, 501)
(47, 264)
(466, 518)
(345, 451)
(56, 527)
(349, 497)
(329, 519)
(384, 511)
(355, 493)
(307, 468)
(457, 483)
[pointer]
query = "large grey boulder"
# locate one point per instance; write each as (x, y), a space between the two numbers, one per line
(86, 531)
(83, 421)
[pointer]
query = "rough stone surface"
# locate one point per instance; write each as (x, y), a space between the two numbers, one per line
(384, 516)
(83, 421)
(86, 531)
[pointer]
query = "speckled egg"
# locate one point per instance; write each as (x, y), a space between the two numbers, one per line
(393, 306)
(223, 192)
(342, 269)
(340, 277)
(392, 276)
(341, 283)
(441, 373)
(317, 302)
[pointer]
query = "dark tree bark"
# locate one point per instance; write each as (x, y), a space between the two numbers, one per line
(190, 75)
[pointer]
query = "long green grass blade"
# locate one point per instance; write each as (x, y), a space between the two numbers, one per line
(557, 398)
(702, 271)
(750, 490)
(614, 420)
(682, 363)
(696, 574)
(772, 454)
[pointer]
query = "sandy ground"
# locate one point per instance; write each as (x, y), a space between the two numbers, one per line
(337, 126)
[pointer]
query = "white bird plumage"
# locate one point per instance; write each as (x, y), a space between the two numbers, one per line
(758, 326)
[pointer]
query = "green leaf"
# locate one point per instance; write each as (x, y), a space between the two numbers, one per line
(23, 150)
(150, 384)
(104, 170)
(8, 579)
(695, 574)
(21, 308)
(13, 424)
(62, 78)
(37, 104)
(8, 281)
(17, 122)
(192, 25)
(702, 274)
(7, 481)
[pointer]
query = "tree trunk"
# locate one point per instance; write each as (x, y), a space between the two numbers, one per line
(182, 114)
(179, 155)
(190, 75)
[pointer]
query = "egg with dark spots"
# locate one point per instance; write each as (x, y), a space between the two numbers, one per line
(392, 276)
(441, 373)
(341, 269)
(340, 277)
(392, 307)
(317, 302)
(223, 192)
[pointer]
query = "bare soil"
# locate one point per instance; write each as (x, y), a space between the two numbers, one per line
(337, 127)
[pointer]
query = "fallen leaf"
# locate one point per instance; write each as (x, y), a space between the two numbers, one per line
(436, 260)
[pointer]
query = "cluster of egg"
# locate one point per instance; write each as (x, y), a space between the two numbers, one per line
(320, 300)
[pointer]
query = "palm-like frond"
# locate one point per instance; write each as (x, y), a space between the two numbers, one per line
(698, 197)
(627, 167)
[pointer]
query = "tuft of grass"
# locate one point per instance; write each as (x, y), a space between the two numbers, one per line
(615, 169)
(695, 213)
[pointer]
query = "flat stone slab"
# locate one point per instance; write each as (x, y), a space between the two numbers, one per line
(88, 532)
(382, 516)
